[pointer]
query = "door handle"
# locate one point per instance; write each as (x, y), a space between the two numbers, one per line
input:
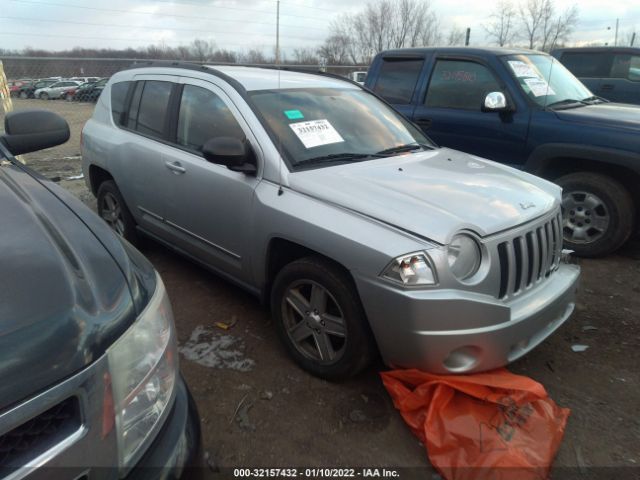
(424, 122)
(607, 86)
(175, 167)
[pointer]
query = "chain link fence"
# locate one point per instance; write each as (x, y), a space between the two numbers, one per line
(70, 87)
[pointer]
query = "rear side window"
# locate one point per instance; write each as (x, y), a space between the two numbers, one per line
(203, 115)
(460, 84)
(151, 111)
(626, 66)
(118, 98)
(588, 65)
(397, 79)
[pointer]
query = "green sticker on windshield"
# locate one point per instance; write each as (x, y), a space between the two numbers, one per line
(293, 114)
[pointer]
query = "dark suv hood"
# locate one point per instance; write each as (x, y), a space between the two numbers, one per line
(65, 289)
(604, 114)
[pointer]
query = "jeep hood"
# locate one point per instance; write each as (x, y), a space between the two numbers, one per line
(604, 114)
(64, 294)
(433, 194)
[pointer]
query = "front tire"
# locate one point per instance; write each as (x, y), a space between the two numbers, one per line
(44, 96)
(320, 320)
(598, 213)
(113, 210)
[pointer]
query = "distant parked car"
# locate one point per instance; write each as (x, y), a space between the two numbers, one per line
(358, 77)
(89, 92)
(28, 89)
(85, 79)
(14, 87)
(610, 72)
(55, 90)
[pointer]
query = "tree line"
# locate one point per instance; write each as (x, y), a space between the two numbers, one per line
(354, 38)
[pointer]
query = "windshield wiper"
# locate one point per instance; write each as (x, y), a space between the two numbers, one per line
(567, 101)
(339, 157)
(595, 98)
(404, 148)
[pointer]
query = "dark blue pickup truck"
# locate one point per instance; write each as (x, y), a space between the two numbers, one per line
(523, 108)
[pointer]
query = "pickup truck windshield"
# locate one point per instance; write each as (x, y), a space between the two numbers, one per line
(546, 81)
(331, 125)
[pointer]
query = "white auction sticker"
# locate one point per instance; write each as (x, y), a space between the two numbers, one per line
(522, 69)
(316, 133)
(539, 87)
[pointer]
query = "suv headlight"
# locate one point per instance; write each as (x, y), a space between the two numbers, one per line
(413, 269)
(143, 365)
(464, 256)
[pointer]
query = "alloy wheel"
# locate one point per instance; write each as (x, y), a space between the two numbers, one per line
(314, 321)
(585, 217)
(111, 212)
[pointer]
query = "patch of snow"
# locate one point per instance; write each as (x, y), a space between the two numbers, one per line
(216, 350)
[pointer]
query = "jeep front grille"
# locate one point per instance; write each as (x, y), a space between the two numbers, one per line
(37, 435)
(529, 257)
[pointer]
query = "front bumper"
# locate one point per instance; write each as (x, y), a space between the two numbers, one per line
(452, 331)
(177, 450)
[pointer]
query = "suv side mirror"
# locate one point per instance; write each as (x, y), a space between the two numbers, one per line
(495, 102)
(32, 130)
(234, 154)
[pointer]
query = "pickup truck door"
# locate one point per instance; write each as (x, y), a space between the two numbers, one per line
(449, 109)
(209, 206)
(623, 85)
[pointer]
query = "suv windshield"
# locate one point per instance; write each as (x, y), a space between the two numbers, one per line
(546, 81)
(329, 125)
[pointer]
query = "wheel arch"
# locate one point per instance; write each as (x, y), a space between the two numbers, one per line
(555, 160)
(97, 176)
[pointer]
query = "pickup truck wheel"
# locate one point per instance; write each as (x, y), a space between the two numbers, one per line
(113, 210)
(320, 320)
(598, 213)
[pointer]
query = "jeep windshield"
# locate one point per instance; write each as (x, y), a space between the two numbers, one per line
(328, 126)
(547, 82)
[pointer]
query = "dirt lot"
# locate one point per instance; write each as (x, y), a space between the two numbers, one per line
(289, 418)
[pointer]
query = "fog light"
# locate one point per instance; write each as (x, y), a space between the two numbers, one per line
(462, 359)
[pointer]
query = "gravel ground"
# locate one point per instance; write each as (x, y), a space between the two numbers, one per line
(259, 409)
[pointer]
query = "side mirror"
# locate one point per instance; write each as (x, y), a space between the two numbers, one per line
(32, 130)
(234, 154)
(494, 102)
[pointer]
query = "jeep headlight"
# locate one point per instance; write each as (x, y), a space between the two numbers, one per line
(413, 269)
(143, 365)
(464, 256)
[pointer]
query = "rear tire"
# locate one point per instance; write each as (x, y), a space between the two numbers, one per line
(44, 96)
(24, 95)
(598, 213)
(318, 313)
(114, 211)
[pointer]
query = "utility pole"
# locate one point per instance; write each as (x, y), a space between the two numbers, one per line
(615, 41)
(466, 38)
(278, 33)
(633, 39)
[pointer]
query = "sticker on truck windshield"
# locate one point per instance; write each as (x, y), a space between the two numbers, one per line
(294, 114)
(316, 133)
(522, 69)
(539, 87)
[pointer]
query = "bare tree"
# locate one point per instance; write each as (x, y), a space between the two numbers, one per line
(305, 56)
(456, 36)
(202, 50)
(336, 50)
(541, 24)
(501, 27)
(558, 28)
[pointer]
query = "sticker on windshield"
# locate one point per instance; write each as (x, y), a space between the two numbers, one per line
(522, 69)
(539, 87)
(316, 133)
(294, 114)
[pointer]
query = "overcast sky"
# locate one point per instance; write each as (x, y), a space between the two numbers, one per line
(245, 24)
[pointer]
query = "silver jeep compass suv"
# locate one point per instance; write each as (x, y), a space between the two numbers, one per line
(315, 195)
